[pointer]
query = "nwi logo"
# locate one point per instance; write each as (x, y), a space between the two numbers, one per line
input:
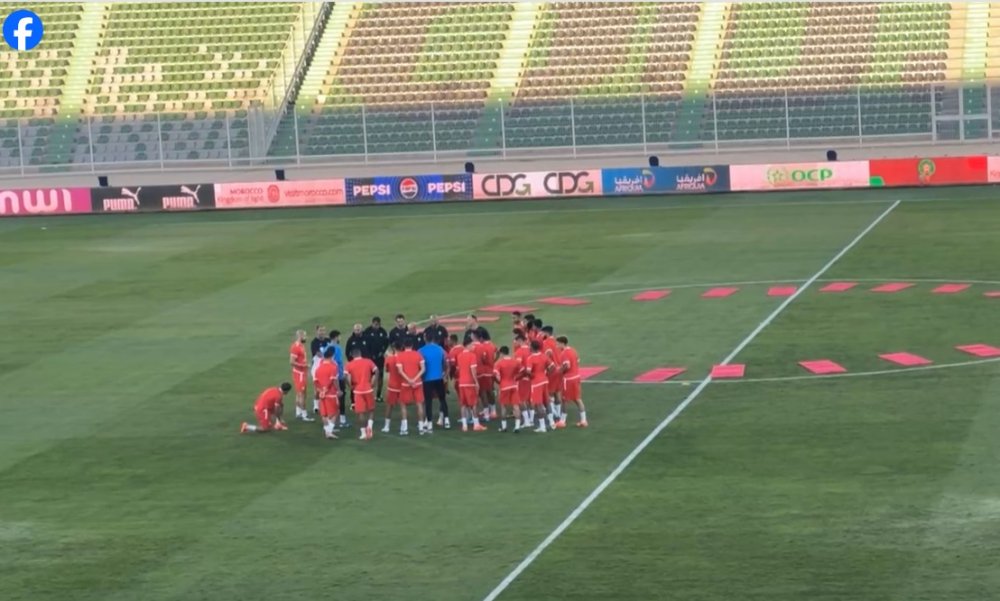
(36, 202)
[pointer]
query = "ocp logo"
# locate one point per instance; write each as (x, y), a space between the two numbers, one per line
(22, 30)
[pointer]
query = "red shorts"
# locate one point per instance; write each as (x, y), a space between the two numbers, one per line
(524, 391)
(299, 380)
(392, 396)
(410, 394)
(509, 397)
(571, 390)
(539, 393)
(364, 402)
(329, 406)
(486, 382)
(555, 383)
(263, 419)
(468, 396)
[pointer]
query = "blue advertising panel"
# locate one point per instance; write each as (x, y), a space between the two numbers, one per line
(666, 180)
(408, 188)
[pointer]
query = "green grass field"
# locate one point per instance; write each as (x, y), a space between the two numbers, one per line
(133, 347)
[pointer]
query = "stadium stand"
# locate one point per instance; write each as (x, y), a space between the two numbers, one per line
(401, 62)
(256, 80)
(821, 55)
(595, 65)
(31, 83)
(145, 77)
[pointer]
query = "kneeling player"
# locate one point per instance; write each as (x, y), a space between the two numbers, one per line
(361, 372)
(328, 387)
(570, 368)
(507, 371)
(268, 407)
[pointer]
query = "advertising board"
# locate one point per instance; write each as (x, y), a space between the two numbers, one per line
(537, 184)
(799, 176)
(666, 180)
(929, 171)
(131, 199)
(409, 188)
(250, 195)
(43, 201)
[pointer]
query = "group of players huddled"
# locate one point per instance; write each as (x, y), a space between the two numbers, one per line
(536, 380)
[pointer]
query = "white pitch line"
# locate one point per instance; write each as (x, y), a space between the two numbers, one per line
(860, 374)
(572, 517)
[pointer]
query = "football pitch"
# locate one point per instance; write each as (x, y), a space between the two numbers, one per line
(133, 346)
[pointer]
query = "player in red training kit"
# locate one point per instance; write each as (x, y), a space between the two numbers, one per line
(361, 372)
(297, 359)
(572, 393)
(395, 382)
(466, 368)
(551, 348)
(521, 352)
(327, 386)
(538, 369)
(411, 368)
(269, 405)
(453, 353)
(507, 372)
(488, 357)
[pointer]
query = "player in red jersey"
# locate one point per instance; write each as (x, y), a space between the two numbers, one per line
(551, 348)
(269, 406)
(507, 372)
(361, 372)
(521, 352)
(297, 359)
(487, 358)
(453, 353)
(572, 393)
(327, 385)
(395, 382)
(466, 366)
(538, 369)
(411, 367)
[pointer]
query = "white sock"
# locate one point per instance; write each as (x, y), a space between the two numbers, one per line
(315, 405)
(583, 416)
(503, 424)
(552, 420)
(541, 424)
(404, 426)
(475, 421)
(465, 423)
(517, 424)
(557, 407)
(371, 423)
(251, 428)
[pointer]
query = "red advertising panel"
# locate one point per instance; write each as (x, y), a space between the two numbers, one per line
(929, 171)
(44, 201)
(798, 176)
(280, 194)
(536, 184)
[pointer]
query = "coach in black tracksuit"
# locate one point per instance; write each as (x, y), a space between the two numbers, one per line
(377, 341)
(435, 332)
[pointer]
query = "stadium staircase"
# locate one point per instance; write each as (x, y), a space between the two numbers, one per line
(325, 52)
(61, 142)
(974, 17)
(489, 133)
(700, 70)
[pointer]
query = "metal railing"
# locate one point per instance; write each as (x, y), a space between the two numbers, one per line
(584, 127)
